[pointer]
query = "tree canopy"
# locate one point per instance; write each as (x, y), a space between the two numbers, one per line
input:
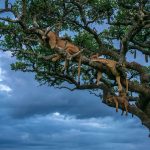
(112, 28)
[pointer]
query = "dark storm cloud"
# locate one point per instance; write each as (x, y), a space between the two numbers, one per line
(56, 131)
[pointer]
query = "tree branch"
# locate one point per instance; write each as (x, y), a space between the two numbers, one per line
(141, 49)
(135, 111)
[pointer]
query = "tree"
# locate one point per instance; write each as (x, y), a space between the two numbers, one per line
(128, 24)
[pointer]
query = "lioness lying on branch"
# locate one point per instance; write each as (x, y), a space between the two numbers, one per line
(121, 99)
(111, 65)
(71, 50)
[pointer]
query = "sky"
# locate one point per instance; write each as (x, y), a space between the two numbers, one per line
(34, 117)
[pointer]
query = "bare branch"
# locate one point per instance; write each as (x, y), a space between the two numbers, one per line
(9, 20)
(140, 49)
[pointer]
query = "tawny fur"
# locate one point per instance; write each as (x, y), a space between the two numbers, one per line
(111, 64)
(121, 99)
(65, 45)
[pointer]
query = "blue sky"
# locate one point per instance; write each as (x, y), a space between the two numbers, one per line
(34, 117)
(41, 118)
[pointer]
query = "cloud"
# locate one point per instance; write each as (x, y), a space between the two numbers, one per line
(2, 74)
(60, 131)
(5, 88)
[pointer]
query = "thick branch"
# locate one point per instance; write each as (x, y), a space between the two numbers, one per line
(135, 87)
(135, 111)
(128, 37)
(141, 49)
(145, 44)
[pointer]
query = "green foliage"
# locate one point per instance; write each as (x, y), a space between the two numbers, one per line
(77, 18)
(86, 40)
(18, 66)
